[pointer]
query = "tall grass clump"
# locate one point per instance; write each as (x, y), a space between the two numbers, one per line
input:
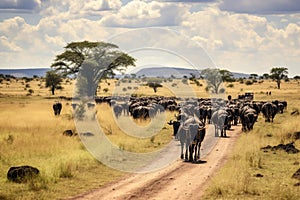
(66, 169)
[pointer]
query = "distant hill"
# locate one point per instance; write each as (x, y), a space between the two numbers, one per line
(25, 72)
(176, 72)
(147, 72)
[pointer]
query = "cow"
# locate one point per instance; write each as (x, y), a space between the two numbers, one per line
(191, 133)
(57, 108)
(221, 122)
(117, 110)
(176, 125)
(248, 118)
(22, 174)
(269, 111)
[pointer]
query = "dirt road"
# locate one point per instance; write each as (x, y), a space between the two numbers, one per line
(180, 180)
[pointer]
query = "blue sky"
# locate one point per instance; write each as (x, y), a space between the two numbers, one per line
(241, 36)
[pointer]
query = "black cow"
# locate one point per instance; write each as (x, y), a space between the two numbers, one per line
(57, 108)
(22, 174)
(117, 110)
(248, 118)
(269, 111)
(191, 133)
(176, 125)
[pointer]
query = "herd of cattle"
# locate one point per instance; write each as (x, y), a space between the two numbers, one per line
(193, 114)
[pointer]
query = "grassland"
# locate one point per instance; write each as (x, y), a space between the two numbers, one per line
(240, 177)
(32, 135)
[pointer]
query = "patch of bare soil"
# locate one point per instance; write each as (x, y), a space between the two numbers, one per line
(180, 180)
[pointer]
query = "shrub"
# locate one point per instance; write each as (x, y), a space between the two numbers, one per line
(30, 91)
(230, 85)
(105, 90)
(66, 170)
(185, 81)
(249, 82)
(174, 85)
(222, 90)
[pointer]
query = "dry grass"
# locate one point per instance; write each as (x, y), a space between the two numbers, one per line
(238, 179)
(32, 135)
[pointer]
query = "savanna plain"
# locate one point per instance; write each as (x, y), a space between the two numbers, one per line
(30, 134)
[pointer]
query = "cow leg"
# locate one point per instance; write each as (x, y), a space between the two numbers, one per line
(199, 147)
(182, 156)
(186, 152)
(216, 131)
(191, 148)
(221, 132)
(196, 155)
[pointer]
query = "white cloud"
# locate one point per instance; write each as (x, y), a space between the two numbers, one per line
(143, 14)
(76, 9)
(8, 46)
(244, 42)
(237, 41)
(222, 30)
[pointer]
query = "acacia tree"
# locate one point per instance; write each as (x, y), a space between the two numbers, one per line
(266, 76)
(69, 62)
(278, 73)
(154, 86)
(53, 81)
(213, 78)
(226, 75)
(91, 61)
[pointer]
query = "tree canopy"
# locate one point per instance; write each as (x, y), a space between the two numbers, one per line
(53, 81)
(91, 61)
(278, 73)
(105, 54)
(226, 75)
(213, 78)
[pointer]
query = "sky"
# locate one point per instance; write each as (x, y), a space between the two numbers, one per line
(240, 36)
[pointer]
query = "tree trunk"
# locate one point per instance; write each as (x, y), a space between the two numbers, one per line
(52, 90)
(278, 84)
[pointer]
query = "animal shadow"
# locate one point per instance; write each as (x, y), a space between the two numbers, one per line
(199, 162)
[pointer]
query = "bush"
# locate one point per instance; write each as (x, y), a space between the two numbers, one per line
(185, 81)
(249, 82)
(222, 90)
(30, 92)
(230, 85)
